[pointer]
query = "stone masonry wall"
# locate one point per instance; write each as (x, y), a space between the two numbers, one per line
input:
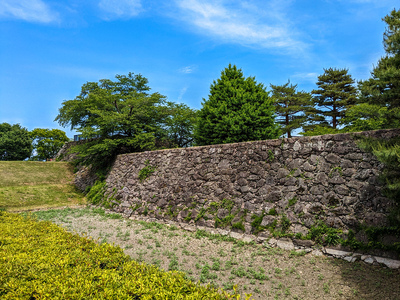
(285, 184)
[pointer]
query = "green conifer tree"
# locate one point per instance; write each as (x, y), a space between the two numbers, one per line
(379, 105)
(237, 110)
(291, 106)
(334, 95)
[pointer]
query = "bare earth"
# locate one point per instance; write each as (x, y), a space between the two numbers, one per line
(266, 273)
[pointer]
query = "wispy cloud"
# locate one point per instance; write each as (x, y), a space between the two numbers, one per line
(306, 77)
(187, 69)
(262, 25)
(27, 10)
(181, 94)
(121, 8)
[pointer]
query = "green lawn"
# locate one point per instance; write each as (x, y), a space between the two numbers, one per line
(26, 185)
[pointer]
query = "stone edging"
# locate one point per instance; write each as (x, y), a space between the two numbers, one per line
(283, 243)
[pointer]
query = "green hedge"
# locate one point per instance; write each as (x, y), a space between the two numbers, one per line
(39, 260)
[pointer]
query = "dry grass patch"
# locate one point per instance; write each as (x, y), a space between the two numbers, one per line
(17, 173)
(26, 185)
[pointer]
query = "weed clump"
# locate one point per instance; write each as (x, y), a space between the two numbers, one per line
(147, 171)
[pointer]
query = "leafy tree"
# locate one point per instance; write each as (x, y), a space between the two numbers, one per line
(180, 124)
(47, 142)
(379, 105)
(237, 110)
(15, 142)
(366, 116)
(334, 95)
(118, 116)
(291, 106)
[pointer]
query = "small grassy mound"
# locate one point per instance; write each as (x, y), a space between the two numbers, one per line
(30, 185)
(39, 260)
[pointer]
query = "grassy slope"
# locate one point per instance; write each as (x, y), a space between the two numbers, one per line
(26, 185)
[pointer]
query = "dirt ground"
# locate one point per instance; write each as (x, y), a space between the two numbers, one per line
(266, 273)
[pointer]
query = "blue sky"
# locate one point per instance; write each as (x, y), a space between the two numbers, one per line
(49, 48)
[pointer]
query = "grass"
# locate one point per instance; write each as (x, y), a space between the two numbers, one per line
(223, 262)
(26, 185)
(18, 173)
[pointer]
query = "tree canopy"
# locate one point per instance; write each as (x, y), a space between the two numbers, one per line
(379, 104)
(123, 116)
(335, 93)
(238, 109)
(123, 107)
(291, 106)
(15, 142)
(180, 124)
(47, 142)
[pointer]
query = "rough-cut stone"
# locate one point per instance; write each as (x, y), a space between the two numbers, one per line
(314, 159)
(248, 238)
(308, 167)
(286, 244)
(335, 252)
(317, 190)
(223, 232)
(236, 235)
(322, 178)
(390, 263)
(189, 228)
(350, 258)
(332, 158)
(267, 220)
(346, 163)
(341, 189)
(369, 260)
(363, 174)
(317, 252)
(337, 180)
(282, 173)
(315, 208)
(304, 243)
(296, 146)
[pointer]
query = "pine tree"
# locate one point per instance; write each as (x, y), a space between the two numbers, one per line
(291, 106)
(335, 94)
(379, 105)
(237, 110)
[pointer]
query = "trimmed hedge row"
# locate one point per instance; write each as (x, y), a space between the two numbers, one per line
(39, 260)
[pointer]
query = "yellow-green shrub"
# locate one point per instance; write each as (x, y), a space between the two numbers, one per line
(39, 260)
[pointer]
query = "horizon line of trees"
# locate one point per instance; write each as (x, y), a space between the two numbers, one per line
(17, 143)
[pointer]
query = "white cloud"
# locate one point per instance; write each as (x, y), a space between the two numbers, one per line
(187, 69)
(28, 10)
(261, 25)
(181, 93)
(121, 8)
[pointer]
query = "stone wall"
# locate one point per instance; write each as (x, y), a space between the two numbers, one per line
(287, 184)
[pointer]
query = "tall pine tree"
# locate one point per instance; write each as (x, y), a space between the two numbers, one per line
(379, 105)
(291, 106)
(334, 95)
(237, 110)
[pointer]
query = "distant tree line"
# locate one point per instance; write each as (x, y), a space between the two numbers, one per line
(17, 143)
